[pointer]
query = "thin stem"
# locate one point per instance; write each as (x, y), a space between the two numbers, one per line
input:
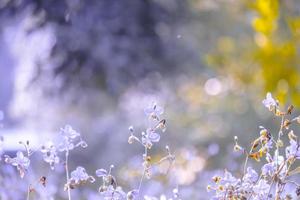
(28, 192)
(142, 178)
(246, 160)
(67, 174)
(144, 172)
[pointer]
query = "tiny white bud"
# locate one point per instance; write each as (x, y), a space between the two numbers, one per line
(235, 138)
(130, 128)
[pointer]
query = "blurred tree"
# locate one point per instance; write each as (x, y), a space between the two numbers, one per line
(267, 57)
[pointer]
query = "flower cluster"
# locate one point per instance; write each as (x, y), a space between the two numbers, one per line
(109, 188)
(79, 177)
(68, 139)
(275, 174)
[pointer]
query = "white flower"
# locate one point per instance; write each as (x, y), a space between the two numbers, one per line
(69, 139)
(20, 161)
(78, 177)
(154, 110)
(69, 132)
(269, 102)
(149, 137)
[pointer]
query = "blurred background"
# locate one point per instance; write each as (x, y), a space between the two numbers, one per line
(97, 64)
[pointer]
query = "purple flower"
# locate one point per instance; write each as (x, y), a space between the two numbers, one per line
(293, 151)
(261, 189)
(271, 167)
(251, 175)
(69, 132)
(268, 169)
(154, 110)
(78, 177)
(20, 161)
(229, 179)
(69, 139)
(269, 102)
(149, 137)
(269, 144)
(65, 144)
(112, 193)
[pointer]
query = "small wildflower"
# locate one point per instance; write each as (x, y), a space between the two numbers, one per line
(20, 161)
(269, 102)
(111, 193)
(69, 132)
(79, 177)
(69, 139)
(251, 175)
(149, 137)
(268, 169)
(154, 111)
(261, 189)
(293, 150)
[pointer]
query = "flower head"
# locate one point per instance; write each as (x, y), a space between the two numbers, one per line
(69, 139)
(251, 175)
(269, 102)
(111, 193)
(149, 137)
(261, 189)
(79, 177)
(293, 150)
(20, 161)
(154, 110)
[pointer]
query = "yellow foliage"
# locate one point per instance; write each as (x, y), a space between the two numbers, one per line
(273, 62)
